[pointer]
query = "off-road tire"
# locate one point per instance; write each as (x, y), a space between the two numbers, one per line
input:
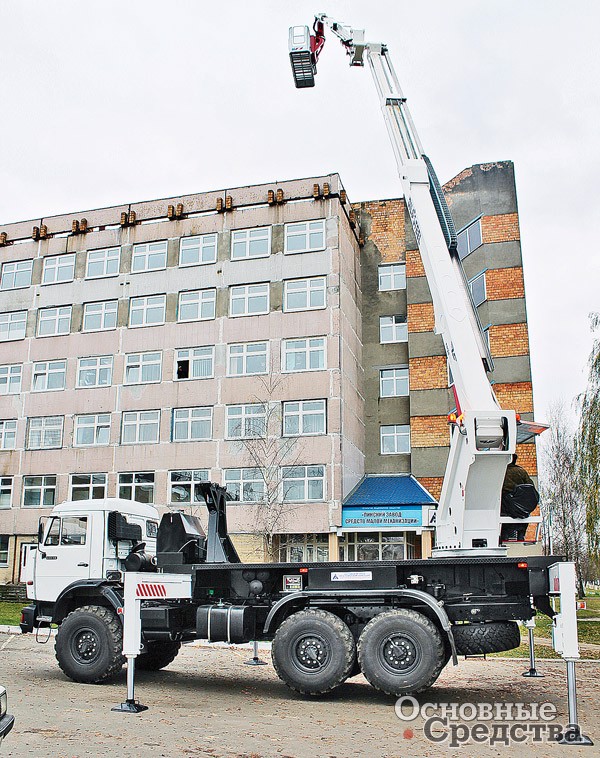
(493, 637)
(89, 644)
(313, 652)
(401, 652)
(157, 656)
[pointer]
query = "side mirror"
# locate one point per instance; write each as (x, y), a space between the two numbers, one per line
(41, 527)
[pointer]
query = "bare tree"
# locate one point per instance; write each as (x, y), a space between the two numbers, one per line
(267, 452)
(588, 445)
(562, 503)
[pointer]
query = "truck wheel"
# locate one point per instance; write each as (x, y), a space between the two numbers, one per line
(493, 637)
(401, 652)
(313, 652)
(89, 644)
(157, 656)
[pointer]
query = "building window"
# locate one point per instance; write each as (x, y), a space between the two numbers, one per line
(147, 311)
(10, 379)
(149, 257)
(194, 251)
(245, 421)
(304, 417)
(143, 368)
(49, 376)
(304, 294)
(197, 305)
(6, 490)
(395, 439)
(104, 262)
(93, 429)
(54, 321)
(44, 432)
(393, 382)
(392, 276)
(184, 486)
(195, 363)
(4, 539)
(245, 485)
(99, 317)
(249, 300)
(303, 548)
(39, 491)
(16, 275)
(393, 329)
(375, 546)
(12, 325)
(304, 354)
(192, 424)
(469, 239)
(140, 427)
(59, 268)
(477, 287)
(303, 483)
(88, 486)
(138, 486)
(8, 434)
(305, 237)
(95, 372)
(247, 358)
(251, 243)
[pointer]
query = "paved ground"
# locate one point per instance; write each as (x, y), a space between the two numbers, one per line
(207, 703)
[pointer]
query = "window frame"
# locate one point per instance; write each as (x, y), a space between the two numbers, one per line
(16, 273)
(140, 365)
(45, 429)
(308, 248)
(245, 297)
(11, 321)
(96, 369)
(190, 360)
(307, 351)
(395, 379)
(245, 355)
(246, 420)
(91, 486)
(4, 551)
(137, 484)
(247, 232)
(306, 479)
(200, 303)
(393, 275)
(466, 234)
(7, 484)
(56, 320)
(105, 260)
(47, 372)
(147, 254)
(98, 426)
(472, 281)
(104, 314)
(195, 496)
(308, 290)
(244, 483)
(44, 487)
(56, 259)
(178, 419)
(396, 436)
(394, 325)
(8, 436)
(6, 368)
(138, 426)
(303, 415)
(144, 310)
(201, 246)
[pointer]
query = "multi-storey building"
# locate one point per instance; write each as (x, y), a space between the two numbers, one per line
(271, 338)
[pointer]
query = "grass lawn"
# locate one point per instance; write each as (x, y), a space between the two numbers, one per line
(10, 613)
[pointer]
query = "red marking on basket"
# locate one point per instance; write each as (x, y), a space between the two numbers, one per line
(145, 589)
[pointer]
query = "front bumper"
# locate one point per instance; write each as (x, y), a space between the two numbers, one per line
(6, 724)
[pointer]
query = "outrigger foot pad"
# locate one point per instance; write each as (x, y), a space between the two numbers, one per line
(130, 706)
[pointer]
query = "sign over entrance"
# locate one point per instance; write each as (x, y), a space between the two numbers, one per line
(361, 517)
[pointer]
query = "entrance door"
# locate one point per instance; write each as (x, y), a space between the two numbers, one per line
(63, 557)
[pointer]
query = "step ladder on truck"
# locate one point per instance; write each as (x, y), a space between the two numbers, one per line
(136, 591)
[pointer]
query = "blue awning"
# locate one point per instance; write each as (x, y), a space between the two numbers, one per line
(395, 490)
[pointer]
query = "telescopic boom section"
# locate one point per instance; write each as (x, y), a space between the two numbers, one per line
(484, 436)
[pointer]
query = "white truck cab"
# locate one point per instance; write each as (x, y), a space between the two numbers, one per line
(78, 541)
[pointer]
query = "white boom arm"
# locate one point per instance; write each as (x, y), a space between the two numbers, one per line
(484, 438)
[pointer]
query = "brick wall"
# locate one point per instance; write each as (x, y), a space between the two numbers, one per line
(387, 228)
(433, 485)
(517, 396)
(428, 373)
(501, 228)
(429, 431)
(509, 339)
(504, 283)
(414, 264)
(420, 317)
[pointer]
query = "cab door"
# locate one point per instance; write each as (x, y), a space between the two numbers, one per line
(63, 555)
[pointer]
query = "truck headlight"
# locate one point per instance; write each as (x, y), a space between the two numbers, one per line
(3, 702)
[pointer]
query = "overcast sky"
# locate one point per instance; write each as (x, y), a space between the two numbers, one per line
(112, 101)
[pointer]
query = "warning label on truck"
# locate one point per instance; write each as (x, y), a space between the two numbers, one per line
(351, 576)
